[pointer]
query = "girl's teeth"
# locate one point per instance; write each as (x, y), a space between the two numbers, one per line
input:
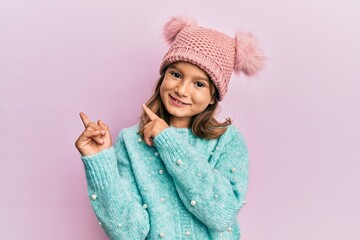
(179, 102)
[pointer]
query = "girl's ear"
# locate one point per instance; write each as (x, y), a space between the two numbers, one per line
(212, 101)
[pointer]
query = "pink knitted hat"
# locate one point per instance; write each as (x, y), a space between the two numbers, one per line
(214, 52)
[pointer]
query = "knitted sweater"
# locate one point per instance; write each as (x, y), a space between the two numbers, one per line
(184, 187)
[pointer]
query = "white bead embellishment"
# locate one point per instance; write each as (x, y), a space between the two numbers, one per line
(229, 229)
(233, 169)
(139, 140)
(193, 203)
(179, 162)
(199, 174)
(187, 233)
(156, 154)
(145, 206)
(162, 235)
(100, 223)
(93, 197)
(216, 196)
(162, 199)
(244, 202)
(119, 225)
(161, 172)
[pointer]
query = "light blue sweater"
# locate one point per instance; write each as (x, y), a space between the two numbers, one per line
(184, 187)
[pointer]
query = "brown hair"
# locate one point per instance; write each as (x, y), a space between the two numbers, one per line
(203, 125)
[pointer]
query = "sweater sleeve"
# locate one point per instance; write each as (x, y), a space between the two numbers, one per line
(114, 195)
(213, 194)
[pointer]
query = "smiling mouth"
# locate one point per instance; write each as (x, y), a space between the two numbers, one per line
(178, 102)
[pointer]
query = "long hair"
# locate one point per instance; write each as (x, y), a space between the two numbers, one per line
(203, 125)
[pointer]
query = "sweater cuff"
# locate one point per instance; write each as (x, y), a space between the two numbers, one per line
(164, 141)
(101, 168)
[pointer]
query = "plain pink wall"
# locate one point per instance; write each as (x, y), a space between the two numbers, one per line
(300, 117)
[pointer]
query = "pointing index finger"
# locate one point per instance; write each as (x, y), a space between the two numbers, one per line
(84, 119)
(150, 113)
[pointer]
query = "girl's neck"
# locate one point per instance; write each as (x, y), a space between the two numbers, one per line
(180, 123)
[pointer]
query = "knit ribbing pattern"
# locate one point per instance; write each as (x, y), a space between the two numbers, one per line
(183, 188)
(212, 51)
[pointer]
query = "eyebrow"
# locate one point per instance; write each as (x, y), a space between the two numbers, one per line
(197, 77)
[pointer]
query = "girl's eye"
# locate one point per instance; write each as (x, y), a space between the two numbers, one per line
(200, 84)
(175, 74)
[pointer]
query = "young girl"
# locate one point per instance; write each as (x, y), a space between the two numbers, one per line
(179, 173)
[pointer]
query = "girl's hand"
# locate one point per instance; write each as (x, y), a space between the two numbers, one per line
(154, 127)
(95, 137)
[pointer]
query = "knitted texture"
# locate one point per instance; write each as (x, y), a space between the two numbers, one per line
(184, 188)
(214, 52)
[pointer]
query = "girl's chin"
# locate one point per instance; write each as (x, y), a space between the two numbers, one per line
(178, 112)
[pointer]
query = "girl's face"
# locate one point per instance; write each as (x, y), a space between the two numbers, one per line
(185, 92)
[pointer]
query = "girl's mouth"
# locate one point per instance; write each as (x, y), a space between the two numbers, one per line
(177, 102)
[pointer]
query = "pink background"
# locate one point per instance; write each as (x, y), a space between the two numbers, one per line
(300, 117)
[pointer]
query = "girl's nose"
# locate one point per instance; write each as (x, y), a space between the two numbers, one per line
(183, 89)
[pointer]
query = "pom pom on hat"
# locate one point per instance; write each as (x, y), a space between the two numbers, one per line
(175, 25)
(249, 58)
